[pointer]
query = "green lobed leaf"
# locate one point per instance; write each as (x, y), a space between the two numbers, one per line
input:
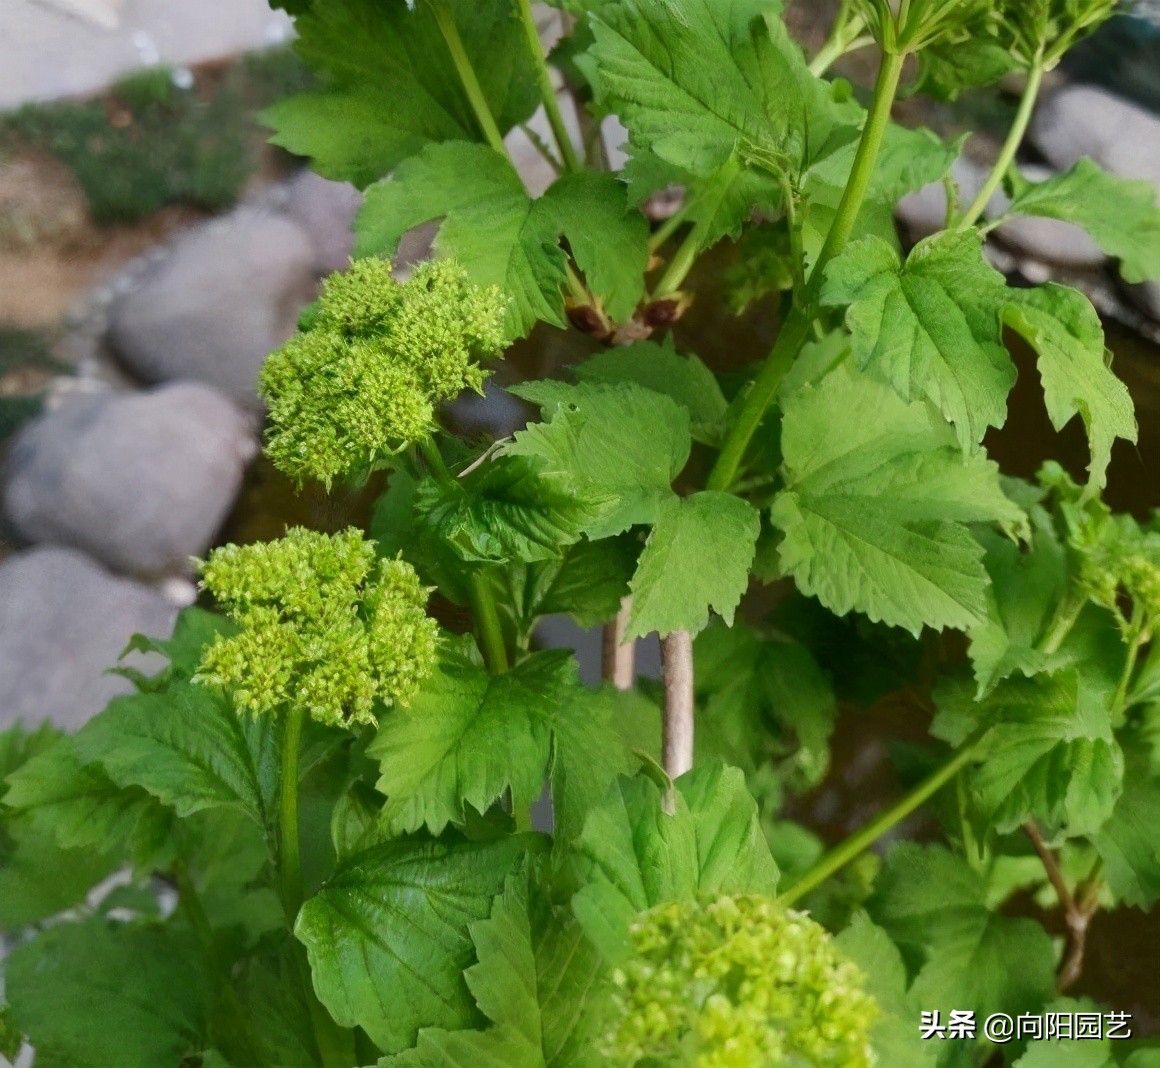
(696, 559)
(929, 326)
(188, 748)
(1121, 214)
(39, 878)
(508, 510)
(1065, 331)
(1049, 754)
(696, 81)
(875, 517)
(660, 368)
(470, 737)
(388, 934)
(607, 239)
(1127, 842)
(588, 582)
(466, 739)
(622, 442)
(78, 804)
(392, 87)
(533, 980)
(269, 987)
(501, 236)
(753, 691)
(93, 994)
(931, 903)
(1026, 585)
(896, 1038)
(632, 854)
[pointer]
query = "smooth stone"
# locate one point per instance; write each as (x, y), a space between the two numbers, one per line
(224, 297)
(1081, 120)
(64, 621)
(141, 482)
(326, 211)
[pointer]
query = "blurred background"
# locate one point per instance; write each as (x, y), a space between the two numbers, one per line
(154, 249)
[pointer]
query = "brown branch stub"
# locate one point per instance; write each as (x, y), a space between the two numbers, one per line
(1077, 912)
(619, 656)
(677, 666)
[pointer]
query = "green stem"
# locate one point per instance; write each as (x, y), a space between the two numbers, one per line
(487, 623)
(862, 173)
(796, 328)
(1010, 147)
(483, 606)
(1062, 622)
(1121, 695)
(856, 844)
(670, 225)
(843, 38)
(467, 76)
(679, 266)
(547, 91)
(289, 851)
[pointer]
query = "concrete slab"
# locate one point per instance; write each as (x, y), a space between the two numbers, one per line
(58, 48)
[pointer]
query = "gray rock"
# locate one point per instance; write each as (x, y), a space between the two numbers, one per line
(1048, 240)
(1083, 121)
(1146, 297)
(326, 211)
(141, 482)
(924, 211)
(63, 622)
(226, 295)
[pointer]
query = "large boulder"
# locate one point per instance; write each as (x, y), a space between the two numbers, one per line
(1080, 120)
(63, 622)
(224, 297)
(142, 482)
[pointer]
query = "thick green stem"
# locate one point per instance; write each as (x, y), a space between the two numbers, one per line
(547, 91)
(796, 328)
(467, 76)
(862, 173)
(794, 332)
(858, 843)
(487, 623)
(1010, 147)
(289, 851)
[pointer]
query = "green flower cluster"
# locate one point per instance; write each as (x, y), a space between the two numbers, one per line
(739, 982)
(324, 625)
(1117, 561)
(361, 381)
(1049, 28)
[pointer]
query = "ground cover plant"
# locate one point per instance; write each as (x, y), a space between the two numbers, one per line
(335, 790)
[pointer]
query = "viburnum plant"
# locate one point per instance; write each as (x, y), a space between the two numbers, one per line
(309, 840)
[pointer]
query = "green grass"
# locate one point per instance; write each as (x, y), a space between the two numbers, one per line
(149, 143)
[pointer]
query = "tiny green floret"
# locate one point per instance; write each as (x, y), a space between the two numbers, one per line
(739, 982)
(362, 381)
(323, 624)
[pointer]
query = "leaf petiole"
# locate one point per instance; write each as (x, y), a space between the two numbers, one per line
(1010, 147)
(547, 90)
(858, 843)
(467, 76)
